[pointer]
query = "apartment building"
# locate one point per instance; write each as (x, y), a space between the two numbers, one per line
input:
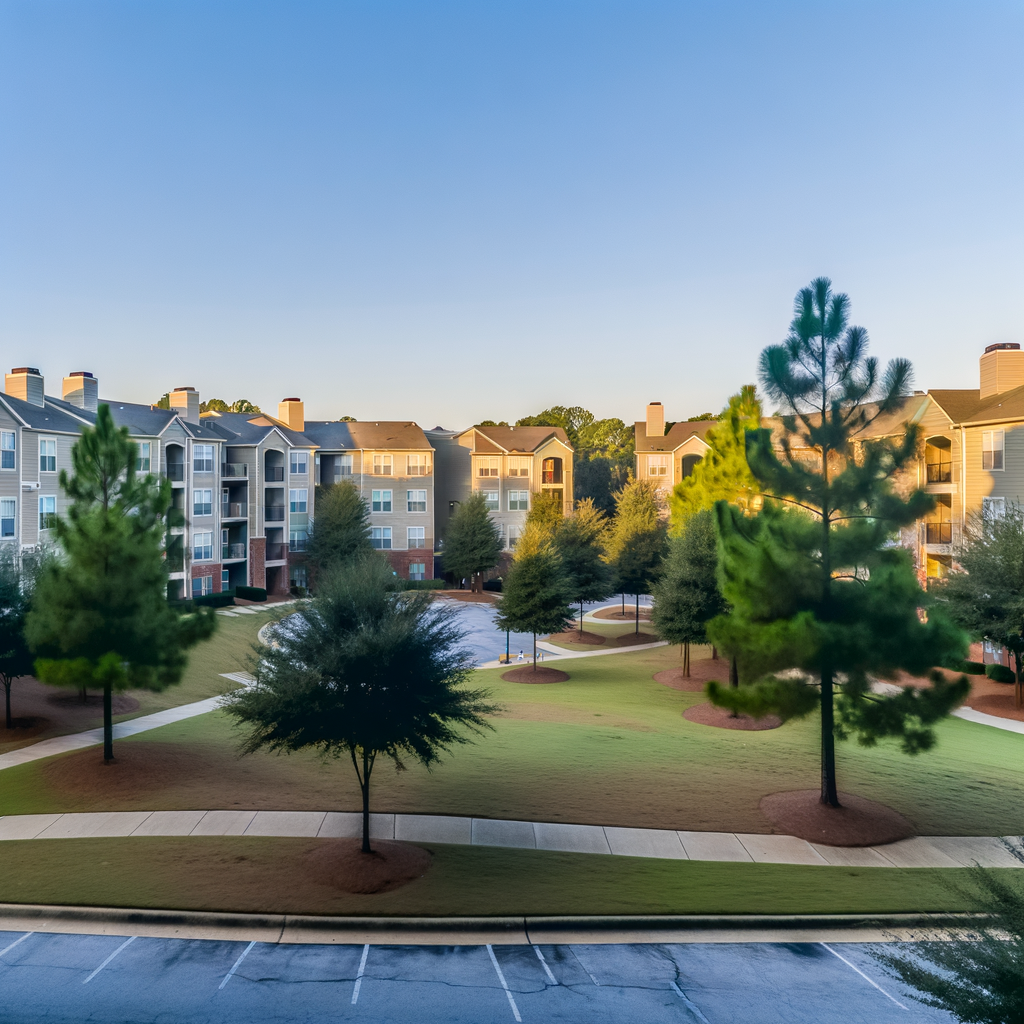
(392, 465)
(664, 457)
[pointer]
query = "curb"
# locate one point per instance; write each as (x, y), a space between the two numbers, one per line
(301, 929)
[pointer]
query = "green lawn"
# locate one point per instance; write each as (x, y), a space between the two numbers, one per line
(268, 875)
(610, 747)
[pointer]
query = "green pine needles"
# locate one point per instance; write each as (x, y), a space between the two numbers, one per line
(814, 579)
(472, 543)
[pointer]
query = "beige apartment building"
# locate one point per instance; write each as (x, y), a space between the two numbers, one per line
(664, 457)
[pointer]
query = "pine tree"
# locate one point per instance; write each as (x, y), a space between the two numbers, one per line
(367, 673)
(340, 529)
(579, 543)
(687, 597)
(18, 573)
(472, 543)
(723, 473)
(99, 615)
(545, 512)
(637, 540)
(814, 580)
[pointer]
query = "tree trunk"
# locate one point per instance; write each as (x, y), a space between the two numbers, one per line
(1018, 685)
(581, 620)
(686, 659)
(829, 792)
(364, 785)
(623, 604)
(637, 630)
(7, 689)
(734, 680)
(534, 652)
(108, 725)
(714, 653)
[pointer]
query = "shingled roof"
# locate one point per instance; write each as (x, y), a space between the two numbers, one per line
(521, 439)
(674, 438)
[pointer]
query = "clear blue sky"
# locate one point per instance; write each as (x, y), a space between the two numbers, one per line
(449, 211)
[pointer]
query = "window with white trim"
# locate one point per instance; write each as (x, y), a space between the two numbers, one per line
(142, 459)
(202, 585)
(297, 499)
(382, 465)
(202, 502)
(47, 512)
(993, 508)
(417, 571)
(416, 537)
(8, 510)
(492, 501)
(519, 466)
(380, 537)
(47, 455)
(202, 458)
(512, 538)
(657, 465)
(380, 501)
(202, 546)
(297, 540)
(225, 579)
(518, 501)
(487, 466)
(299, 462)
(342, 465)
(8, 441)
(992, 443)
(416, 501)
(417, 465)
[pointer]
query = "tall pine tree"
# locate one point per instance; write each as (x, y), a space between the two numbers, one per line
(472, 543)
(579, 542)
(637, 540)
(340, 530)
(814, 580)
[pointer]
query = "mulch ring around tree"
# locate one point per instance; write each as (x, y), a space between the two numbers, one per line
(858, 822)
(120, 703)
(540, 674)
(616, 614)
(575, 636)
(701, 673)
(632, 639)
(342, 864)
(723, 718)
(23, 728)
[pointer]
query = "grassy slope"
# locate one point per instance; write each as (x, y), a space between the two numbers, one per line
(608, 747)
(252, 875)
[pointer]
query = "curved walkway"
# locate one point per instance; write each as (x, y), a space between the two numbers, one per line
(921, 852)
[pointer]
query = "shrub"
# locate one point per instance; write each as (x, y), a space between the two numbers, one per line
(493, 585)
(423, 585)
(1000, 674)
(214, 600)
(251, 593)
(971, 668)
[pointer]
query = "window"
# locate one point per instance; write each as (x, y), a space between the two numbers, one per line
(47, 456)
(297, 499)
(380, 501)
(342, 465)
(202, 585)
(47, 512)
(417, 465)
(519, 466)
(382, 465)
(225, 579)
(299, 462)
(297, 576)
(416, 501)
(202, 546)
(513, 537)
(380, 537)
(551, 471)
(142, 459)
(416, 537)
(518, 501)
(297, 540)
(202, 458)
(417, 571)
(7, 443)
(992, 449)
(657, 465)
(491, 501)
(7, 512)
(202, 503)
(486, 467)
(993, 508)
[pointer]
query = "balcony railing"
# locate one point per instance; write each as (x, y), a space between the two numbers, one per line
(274, 513)
(175, 518)
(234, 469)
(234, 509)
(938, 533)
(276, 553)
(297, 545)
(232, 551)
(551, 476)
(175, 471)
(274, 474)
(940, 472)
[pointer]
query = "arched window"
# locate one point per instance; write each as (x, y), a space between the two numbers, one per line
(689, 462)
(551, 471)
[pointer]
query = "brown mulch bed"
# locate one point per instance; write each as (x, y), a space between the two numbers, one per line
(575, 636)
(858, 822)
(487, 597)
(342, 864)
(987, 696)
(701, 673)
(615, 614)
(722, 718)
(633, 639)
(529, 674)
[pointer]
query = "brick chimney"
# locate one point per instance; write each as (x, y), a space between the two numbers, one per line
(1002, 369)
(81, 388)
(655, 420)
(291, 412)
(26, 383)
(185, 402)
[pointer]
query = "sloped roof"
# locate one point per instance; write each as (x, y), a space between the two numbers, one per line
(382, 435)
(674, 438)
(44, 417)
(521, 439)
(967, 406)
(244, 428)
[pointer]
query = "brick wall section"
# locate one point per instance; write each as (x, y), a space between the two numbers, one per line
(206, 570)
(401, 560)
(258, 562)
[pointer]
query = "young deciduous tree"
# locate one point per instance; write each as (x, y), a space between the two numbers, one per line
(363, 672)
(99, 615)
(545, 513)
(687, 596)
(472, 543)
(986, 594)
(18, 574)
(339, 530)
(637, 541)
(578, 540)
(814, 580)
(723, 473)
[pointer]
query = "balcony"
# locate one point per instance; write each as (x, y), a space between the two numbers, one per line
(232, 551)
(175, 518)
(276, 553)
(940, 472)
(274, 474)
(234, 469)
(297, 545)
(234, 509)
(938, 533)
(274, 513)
(176, 471)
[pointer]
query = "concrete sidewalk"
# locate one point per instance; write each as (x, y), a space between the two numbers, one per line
(920, 852)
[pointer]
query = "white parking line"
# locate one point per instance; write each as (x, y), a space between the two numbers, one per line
(359, 975)
(864, 976)
(238, 963)
(544, 964)
(693, 1009)
(127, 942)
(504, 985)
(584, 966)
(16, 942)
